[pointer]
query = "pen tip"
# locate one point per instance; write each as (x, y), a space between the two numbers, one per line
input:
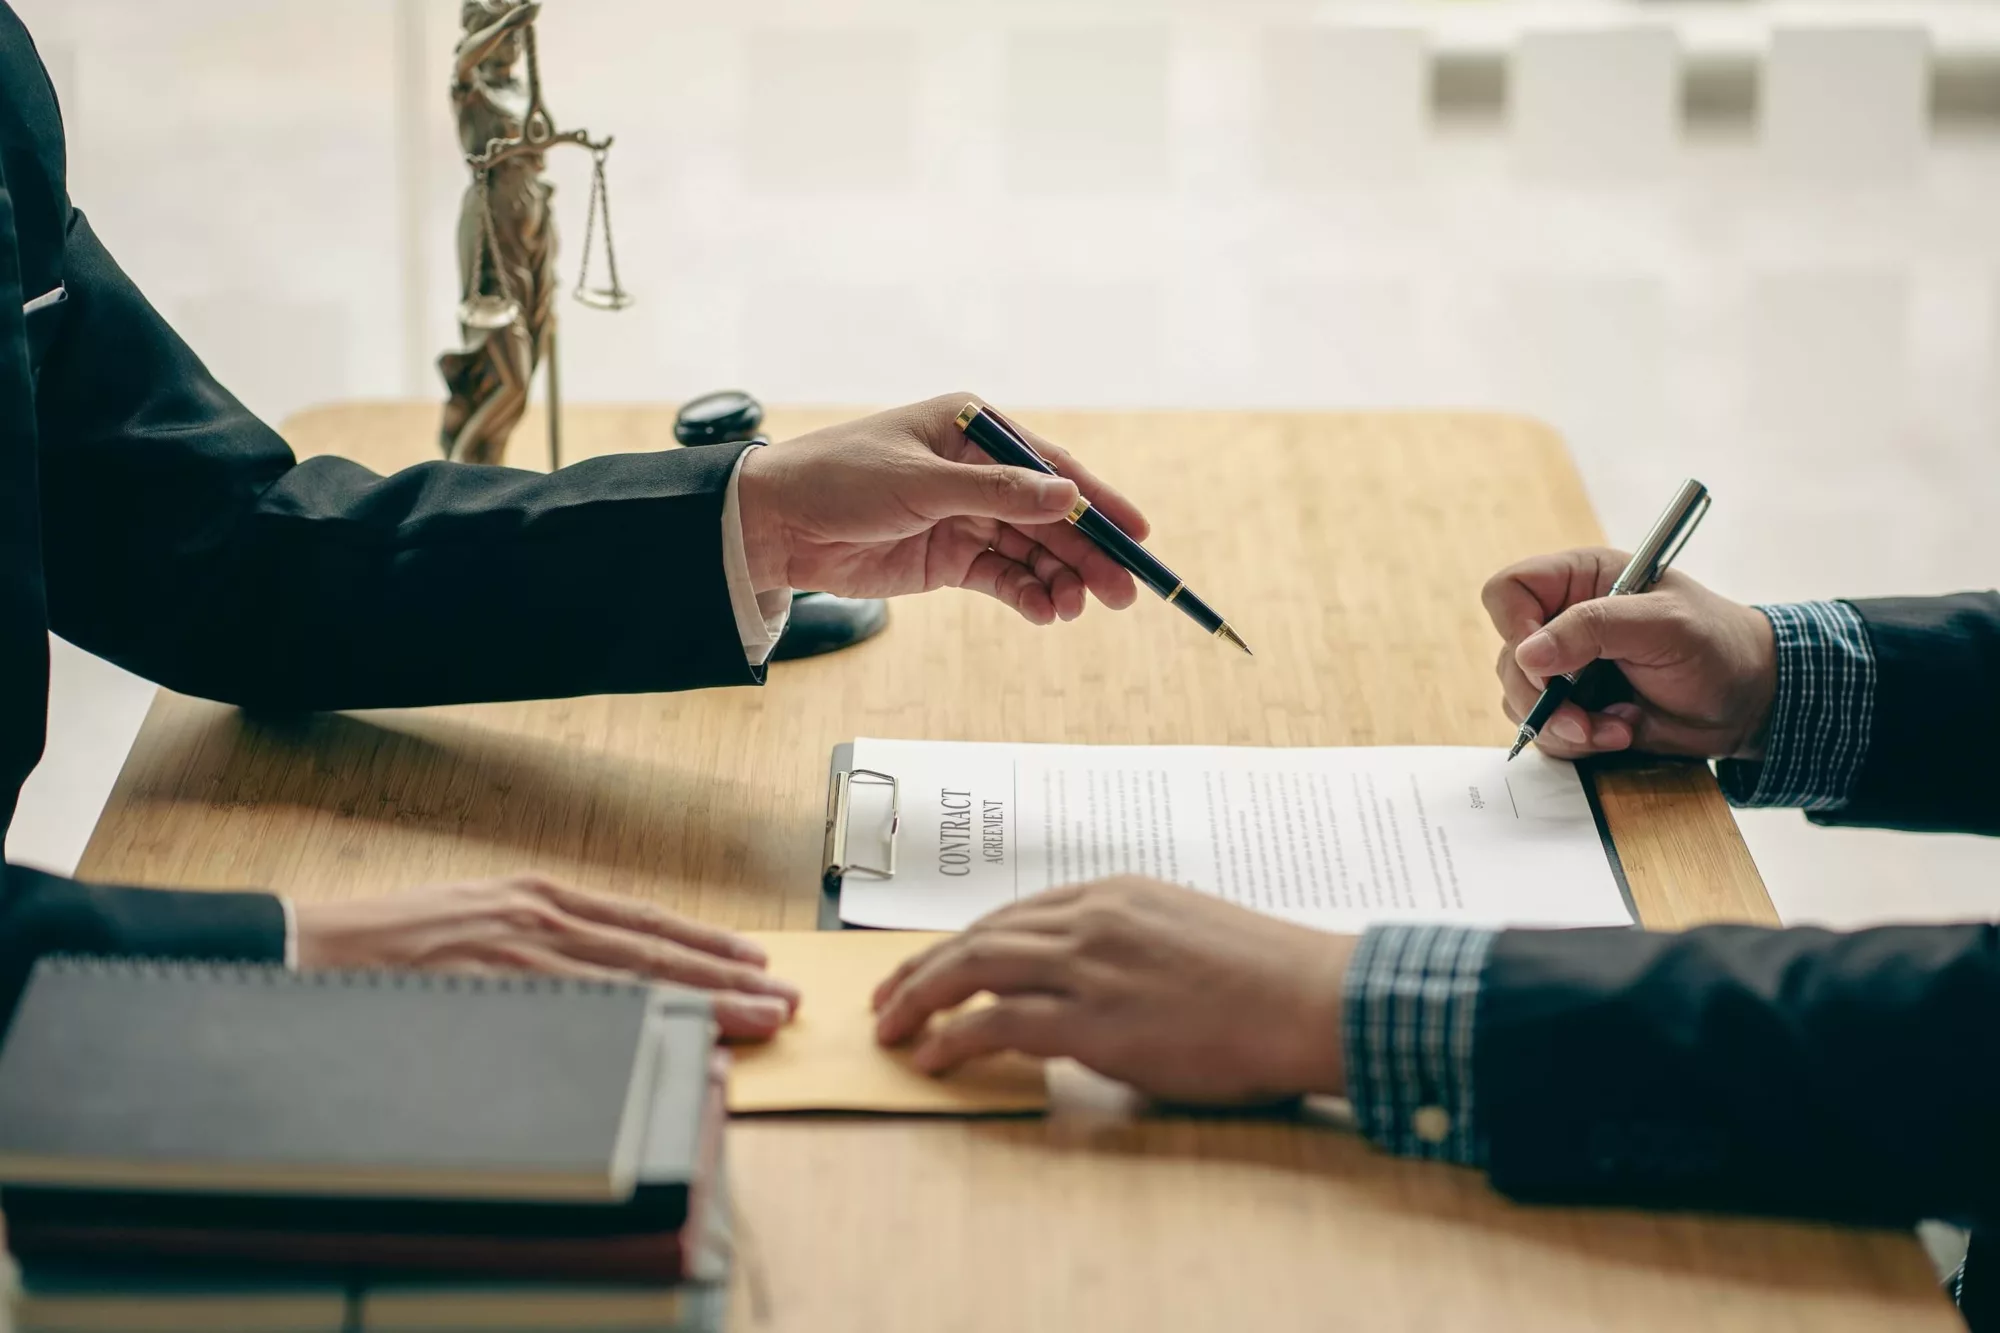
(1235, 638)
(1519, 745)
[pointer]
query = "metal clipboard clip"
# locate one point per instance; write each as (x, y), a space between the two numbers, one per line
(839, 806)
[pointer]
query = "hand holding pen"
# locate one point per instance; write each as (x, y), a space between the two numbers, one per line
(1697, 672)
(902, 502)
(1646, 567)
(1006, 443)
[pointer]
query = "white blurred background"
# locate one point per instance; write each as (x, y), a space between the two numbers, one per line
(1754, 242)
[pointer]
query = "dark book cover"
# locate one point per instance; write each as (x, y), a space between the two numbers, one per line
(669, 1121)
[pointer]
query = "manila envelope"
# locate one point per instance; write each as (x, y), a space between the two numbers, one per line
(827, 1059)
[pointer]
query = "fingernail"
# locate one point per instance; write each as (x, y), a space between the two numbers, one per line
(1057, 494)
(1566, 729)
(767, 1009)
(1613, 735)
(748, 952)
(779, 987)
(1537, 647)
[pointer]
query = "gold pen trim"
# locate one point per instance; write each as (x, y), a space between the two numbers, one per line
(966, 414)
(1078, 510)
(1178, 589)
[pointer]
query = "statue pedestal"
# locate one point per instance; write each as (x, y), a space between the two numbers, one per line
(823, 623)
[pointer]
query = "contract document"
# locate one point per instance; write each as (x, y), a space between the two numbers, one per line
(1338, 839)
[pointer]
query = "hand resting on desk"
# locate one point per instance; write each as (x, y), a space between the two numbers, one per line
(530, 924)
(1185, 997)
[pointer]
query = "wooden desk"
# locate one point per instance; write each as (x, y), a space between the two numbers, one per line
(1349, 550)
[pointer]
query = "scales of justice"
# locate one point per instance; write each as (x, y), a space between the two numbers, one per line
(507, 236)
(507, 285)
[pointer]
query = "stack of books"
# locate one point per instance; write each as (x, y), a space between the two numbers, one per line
(64, 1298)
(225, 1147)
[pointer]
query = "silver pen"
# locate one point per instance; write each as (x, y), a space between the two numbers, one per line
(1648, 563)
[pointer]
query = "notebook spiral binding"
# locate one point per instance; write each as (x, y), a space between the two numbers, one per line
(276, 974)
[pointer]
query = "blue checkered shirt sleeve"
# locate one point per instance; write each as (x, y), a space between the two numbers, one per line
(1821, 715)
(1412, 992)
(1410, 996)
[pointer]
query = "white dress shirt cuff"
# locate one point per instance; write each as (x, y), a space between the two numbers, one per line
(291, 934)
(760, 617)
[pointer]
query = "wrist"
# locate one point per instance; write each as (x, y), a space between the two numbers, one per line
(318, 939)
(766, 546)
(1317, 1061)
(357, 933)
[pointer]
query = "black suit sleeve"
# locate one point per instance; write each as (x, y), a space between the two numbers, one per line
(1789, 1071)
(46, 914)
(184, 542)
(1936, 722)
(42, 913)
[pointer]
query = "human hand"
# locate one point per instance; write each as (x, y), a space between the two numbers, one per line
(1185, 997)
(530, 924)
(1702, 669)
(902, 502)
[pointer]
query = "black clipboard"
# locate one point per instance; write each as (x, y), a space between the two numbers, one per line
(1587, 770)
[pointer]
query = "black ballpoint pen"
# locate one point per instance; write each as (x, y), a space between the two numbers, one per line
(1641, 572)
(992, 433)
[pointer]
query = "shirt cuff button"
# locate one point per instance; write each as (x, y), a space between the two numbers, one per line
(1432, 1124)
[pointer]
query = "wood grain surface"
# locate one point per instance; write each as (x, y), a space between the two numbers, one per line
(1349, 550)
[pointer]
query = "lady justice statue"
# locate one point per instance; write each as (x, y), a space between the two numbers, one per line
(507, 236)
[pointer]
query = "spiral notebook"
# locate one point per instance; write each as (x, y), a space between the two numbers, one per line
(239, 1082)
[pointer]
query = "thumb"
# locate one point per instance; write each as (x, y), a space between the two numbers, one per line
(1619, 628)
(1010, 494)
